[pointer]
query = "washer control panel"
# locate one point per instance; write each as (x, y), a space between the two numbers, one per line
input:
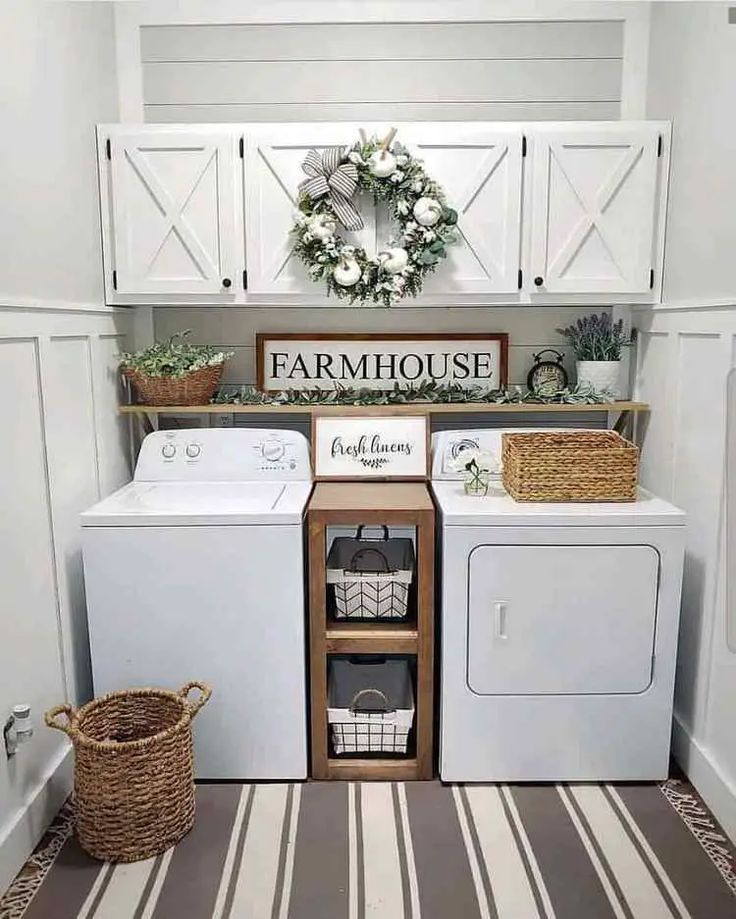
(224, 455)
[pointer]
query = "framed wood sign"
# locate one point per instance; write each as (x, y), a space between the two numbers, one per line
(309, 361)
(370, 447)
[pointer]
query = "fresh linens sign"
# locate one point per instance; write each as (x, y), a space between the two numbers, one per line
(370, 447)
(368, 361)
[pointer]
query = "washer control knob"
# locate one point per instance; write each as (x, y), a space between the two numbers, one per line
(193, 450)
(168, 451)
(272, 450)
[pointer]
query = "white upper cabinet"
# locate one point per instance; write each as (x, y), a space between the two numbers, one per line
(173, 213)
(480, 170)
(547, 212)
(594, 207)
(479, 167)
(273, 170)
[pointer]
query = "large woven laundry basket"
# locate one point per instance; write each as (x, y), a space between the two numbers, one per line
(133, 770)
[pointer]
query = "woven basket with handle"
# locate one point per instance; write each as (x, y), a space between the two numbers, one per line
(194, 388)
(133, 770)
(570, 466)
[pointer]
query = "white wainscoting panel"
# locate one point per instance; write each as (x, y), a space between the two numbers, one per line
(63, 447)
(683, 361)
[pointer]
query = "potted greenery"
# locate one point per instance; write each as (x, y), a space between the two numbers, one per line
(597, 342)
(174, 372)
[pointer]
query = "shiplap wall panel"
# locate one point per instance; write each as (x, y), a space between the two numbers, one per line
(367, 71)
(234, 329)
(384, 111)
(377, 41)
(314, 82)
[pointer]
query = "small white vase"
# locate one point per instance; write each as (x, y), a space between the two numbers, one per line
(601, 375)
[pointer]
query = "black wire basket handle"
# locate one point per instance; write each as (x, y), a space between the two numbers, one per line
(359, 533)
(353, 567)
(386, 710)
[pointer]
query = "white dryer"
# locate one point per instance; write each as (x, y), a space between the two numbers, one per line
(195, 571)
(559, 631)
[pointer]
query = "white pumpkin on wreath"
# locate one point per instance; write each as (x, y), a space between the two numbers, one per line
(425, 224)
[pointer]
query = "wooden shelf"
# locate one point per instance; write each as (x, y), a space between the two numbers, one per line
(372, 638)
(389, 503)
(390, 770)
(416, 408)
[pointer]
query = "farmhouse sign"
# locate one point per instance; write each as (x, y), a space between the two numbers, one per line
(370, 447)
(378, 361)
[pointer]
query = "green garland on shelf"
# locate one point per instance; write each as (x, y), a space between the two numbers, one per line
(429, 392)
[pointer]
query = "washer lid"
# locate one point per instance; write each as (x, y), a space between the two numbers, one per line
(500, 509)
(201, 504)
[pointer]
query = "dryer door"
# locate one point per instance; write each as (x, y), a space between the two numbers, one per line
(561, 619)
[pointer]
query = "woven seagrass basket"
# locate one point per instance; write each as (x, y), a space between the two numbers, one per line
(194, 388)
(133, 770)
(570, 466)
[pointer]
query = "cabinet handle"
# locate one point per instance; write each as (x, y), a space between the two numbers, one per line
(538, 281)
(226, 282)
(500, 620)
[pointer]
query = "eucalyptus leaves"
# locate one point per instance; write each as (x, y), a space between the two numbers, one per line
(174, 358)
(425, 224)
(428, 393)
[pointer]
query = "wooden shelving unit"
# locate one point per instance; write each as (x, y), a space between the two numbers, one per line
(392, 504)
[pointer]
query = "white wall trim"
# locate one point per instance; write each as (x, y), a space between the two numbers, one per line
(717, 792)
(194, 12)
(635, 64)
(33, 304)
(128, 62)
(32, 819)
(686, 305)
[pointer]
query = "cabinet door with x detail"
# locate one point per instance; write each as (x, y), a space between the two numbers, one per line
(174, 213)
(594, 208)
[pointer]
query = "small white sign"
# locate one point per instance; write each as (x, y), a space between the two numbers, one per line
(370, 447)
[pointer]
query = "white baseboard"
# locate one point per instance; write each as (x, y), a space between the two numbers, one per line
(21, 834)
(714, 787)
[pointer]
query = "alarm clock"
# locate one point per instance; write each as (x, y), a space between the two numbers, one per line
(547, 377)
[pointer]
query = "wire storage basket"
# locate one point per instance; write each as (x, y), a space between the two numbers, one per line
(570, 466)
(133, 770)
(370, 578)
(370, 706)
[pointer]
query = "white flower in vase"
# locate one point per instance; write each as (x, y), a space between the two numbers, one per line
(477, 466)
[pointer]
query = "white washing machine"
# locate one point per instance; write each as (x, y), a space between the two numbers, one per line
(559, 631)
(195, 570)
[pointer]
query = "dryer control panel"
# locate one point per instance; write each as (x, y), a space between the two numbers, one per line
(224, 455)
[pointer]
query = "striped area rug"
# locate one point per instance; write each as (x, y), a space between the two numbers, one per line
(356, 851)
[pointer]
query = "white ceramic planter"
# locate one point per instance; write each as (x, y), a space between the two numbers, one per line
(601, 375)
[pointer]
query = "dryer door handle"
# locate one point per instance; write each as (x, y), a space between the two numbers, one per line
(499, 617)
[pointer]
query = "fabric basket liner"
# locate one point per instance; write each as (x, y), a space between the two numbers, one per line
(352, 558)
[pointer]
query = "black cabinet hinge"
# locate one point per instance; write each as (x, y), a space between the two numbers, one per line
(523, 144)
(241, 147)
(651, 279)
(660, 145)
(245, 279)
(520, 278)
(114, 280)
(108, 149)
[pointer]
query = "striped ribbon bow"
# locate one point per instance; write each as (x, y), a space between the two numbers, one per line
(328, 175)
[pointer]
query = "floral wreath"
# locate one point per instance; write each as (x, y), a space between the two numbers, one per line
(386, 170)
